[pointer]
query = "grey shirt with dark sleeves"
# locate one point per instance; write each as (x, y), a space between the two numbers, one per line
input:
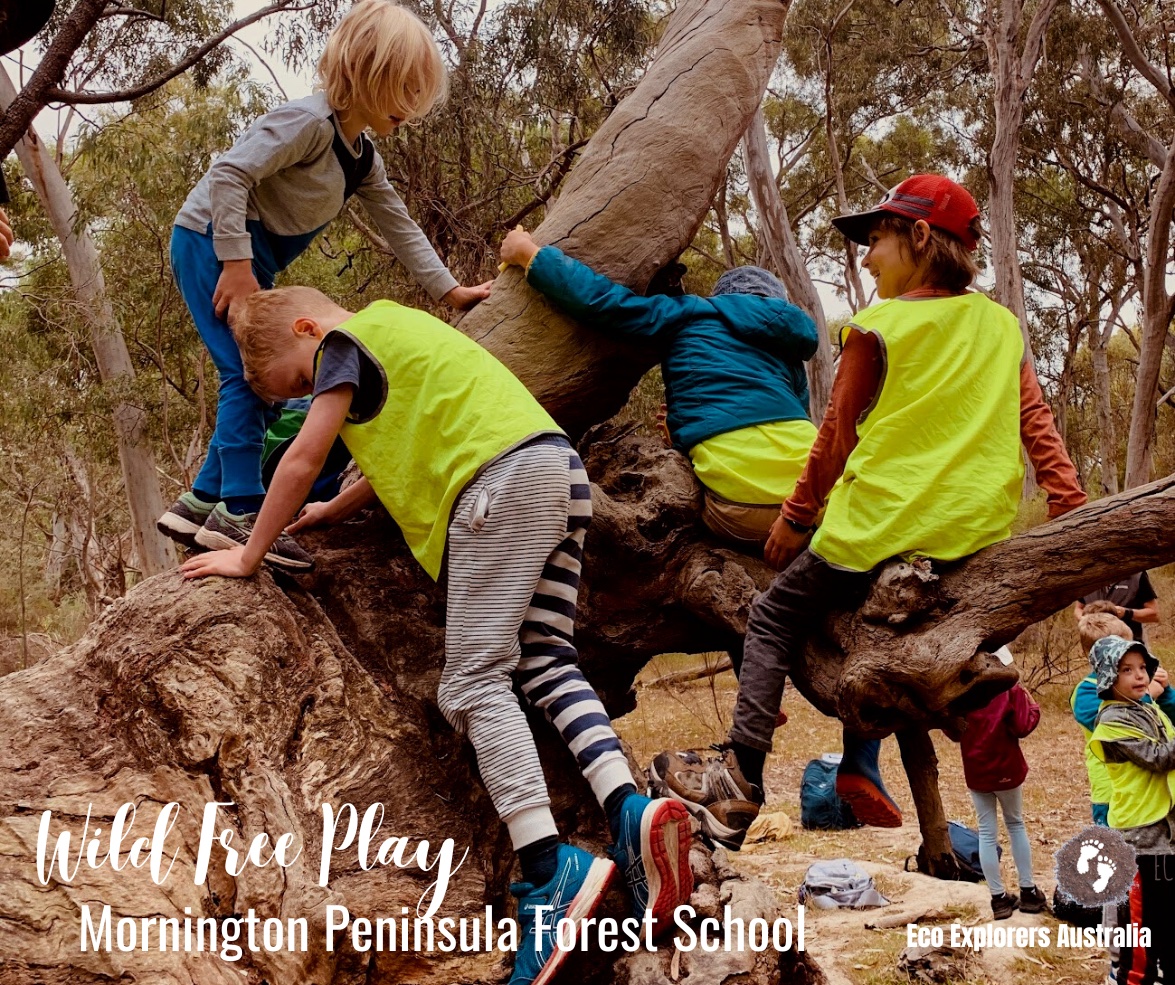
(342, 360)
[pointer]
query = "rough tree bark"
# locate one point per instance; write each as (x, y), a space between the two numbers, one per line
(154, 551)
(660, 157)
(789, 261)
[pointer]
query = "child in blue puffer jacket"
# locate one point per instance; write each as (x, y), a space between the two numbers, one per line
(735, 386)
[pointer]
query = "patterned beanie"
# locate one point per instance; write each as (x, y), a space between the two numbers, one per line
(750, 280)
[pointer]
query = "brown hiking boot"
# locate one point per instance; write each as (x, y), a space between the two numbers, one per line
(1032, 900)
(712, 788)
(1003, 905)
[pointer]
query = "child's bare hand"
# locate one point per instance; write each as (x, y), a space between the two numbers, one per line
(464, 298)
(313, 515)
(1161, 678)
(228, 564)
(518, 247)
(783, 544)
(235, 284)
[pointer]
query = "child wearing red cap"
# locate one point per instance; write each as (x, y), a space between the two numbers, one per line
(919, 454)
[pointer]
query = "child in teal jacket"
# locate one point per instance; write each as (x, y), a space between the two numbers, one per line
(736, 391)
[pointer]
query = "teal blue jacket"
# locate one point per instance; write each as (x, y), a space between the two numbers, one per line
(728, 362)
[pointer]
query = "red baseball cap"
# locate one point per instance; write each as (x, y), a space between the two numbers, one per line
(942, 203)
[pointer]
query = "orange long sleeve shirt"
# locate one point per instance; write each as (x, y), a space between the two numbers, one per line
(858, 378)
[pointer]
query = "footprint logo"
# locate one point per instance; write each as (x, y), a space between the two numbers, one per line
(1105, 872)
(1095, 866)
(1089, 851)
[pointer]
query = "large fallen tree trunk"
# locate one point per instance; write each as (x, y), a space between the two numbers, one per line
(279, 698)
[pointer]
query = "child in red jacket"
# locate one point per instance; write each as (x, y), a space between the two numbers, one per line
(994, 768)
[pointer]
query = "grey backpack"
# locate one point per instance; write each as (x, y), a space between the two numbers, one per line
(839, 883)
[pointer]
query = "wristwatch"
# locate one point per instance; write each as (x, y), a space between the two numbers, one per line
(799, 528)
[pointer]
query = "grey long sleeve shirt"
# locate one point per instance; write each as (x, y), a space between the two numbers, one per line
(283, 172)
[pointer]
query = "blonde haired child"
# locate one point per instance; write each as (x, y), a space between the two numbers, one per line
(262, 203)
(382, 59)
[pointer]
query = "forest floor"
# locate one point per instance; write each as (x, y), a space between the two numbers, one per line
(1056, 807)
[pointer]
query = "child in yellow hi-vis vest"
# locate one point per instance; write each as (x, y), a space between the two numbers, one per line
(483, 483)
(919, 453)
(1136, 740)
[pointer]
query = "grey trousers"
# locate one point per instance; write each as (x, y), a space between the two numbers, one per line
(777, 630)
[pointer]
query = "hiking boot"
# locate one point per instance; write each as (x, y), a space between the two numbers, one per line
(184, 518)
(858, 784)
(653, 854)
(224, 530)
(573, 893)
(1032, 900)
(712, 789)
(1003, 905)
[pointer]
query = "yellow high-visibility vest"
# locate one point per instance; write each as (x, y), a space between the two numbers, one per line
(449, 408)
(1139, 797)
(937, 471)
(1100, 787)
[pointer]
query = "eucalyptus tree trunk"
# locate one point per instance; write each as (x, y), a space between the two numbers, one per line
(1098, 335)
(1158, 306)
(789, 261)
(1012, 67)
(1158, 309)
(153, 550)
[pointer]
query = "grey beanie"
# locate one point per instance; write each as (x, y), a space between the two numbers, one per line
(750, 280)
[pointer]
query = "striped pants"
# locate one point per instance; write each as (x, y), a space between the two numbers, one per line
(515, 552)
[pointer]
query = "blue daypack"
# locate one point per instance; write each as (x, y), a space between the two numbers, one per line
(820, 807)
(965, 845)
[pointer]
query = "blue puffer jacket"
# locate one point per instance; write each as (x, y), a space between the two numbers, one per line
(729, 361)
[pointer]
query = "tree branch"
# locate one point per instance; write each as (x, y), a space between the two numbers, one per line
(55, 94)
(30, 100)
(1135, 54)
(1034, 40)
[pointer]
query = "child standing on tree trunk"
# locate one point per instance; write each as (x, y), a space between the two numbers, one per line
(919, 455)
(483, 484)
(262, 204)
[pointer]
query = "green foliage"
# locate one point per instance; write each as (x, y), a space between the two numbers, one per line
(865, 94)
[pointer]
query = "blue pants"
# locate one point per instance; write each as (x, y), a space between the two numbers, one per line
(985, 807)
(233, 464)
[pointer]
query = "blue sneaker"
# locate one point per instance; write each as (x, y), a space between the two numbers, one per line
(858, 783)
(653, 853)
(573, 894)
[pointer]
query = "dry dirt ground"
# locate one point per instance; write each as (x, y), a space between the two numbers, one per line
(1056, 804)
